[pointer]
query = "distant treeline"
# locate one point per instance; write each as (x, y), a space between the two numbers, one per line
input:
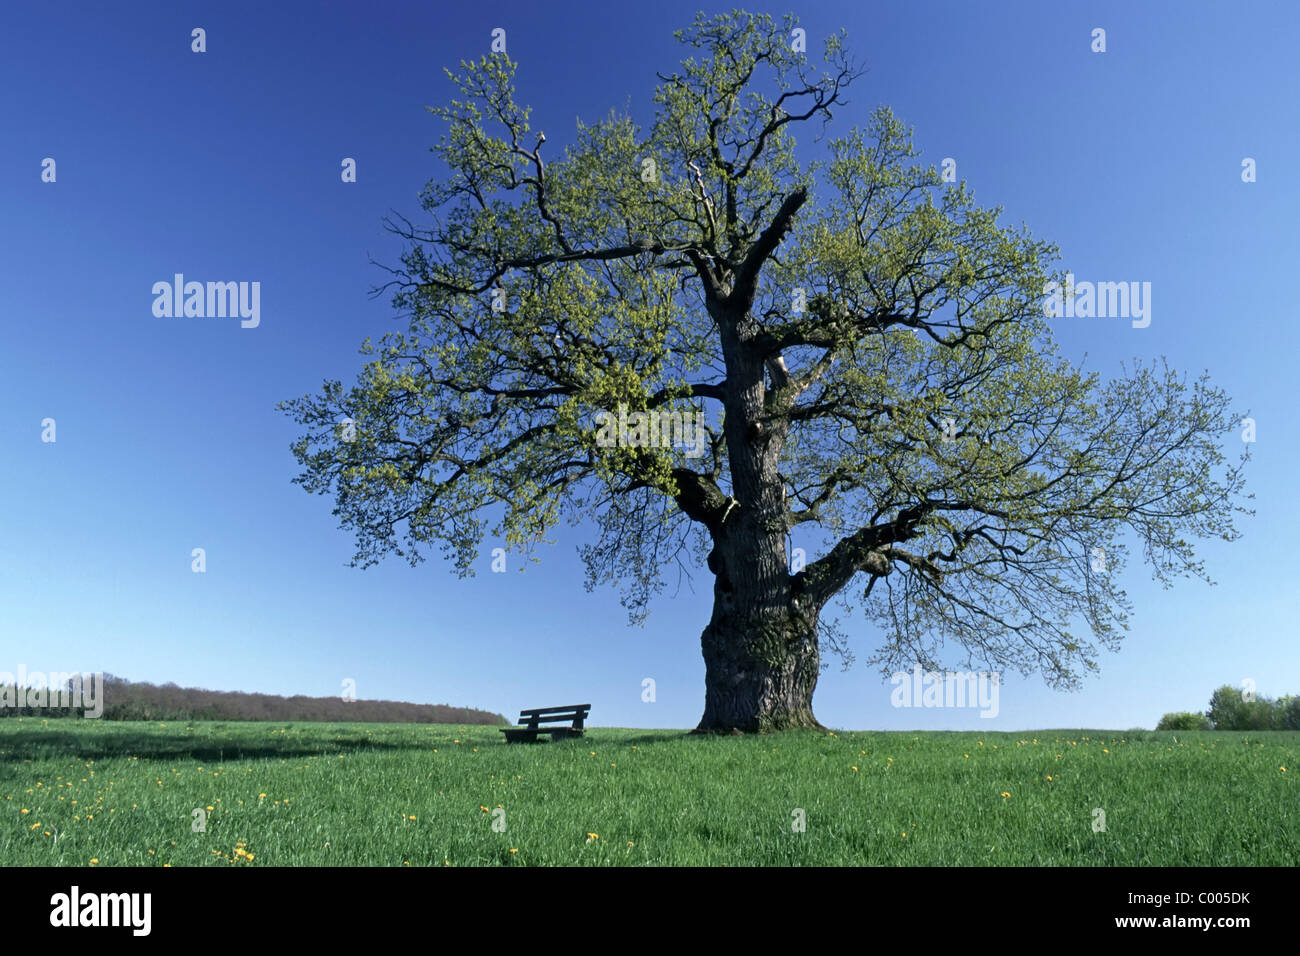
(1232, 709)
(139, 700)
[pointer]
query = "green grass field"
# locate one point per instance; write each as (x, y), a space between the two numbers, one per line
(78, 793)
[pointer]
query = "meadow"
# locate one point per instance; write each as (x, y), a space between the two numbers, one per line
(116, 793)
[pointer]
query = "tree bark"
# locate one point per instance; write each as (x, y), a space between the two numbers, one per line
(759, 673)
(760, 649)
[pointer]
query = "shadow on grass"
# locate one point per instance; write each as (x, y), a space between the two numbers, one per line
(46, 744)
(658, 738)
(588, 739)
(25, 745)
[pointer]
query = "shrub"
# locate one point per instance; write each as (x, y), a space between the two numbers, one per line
(1184, 720)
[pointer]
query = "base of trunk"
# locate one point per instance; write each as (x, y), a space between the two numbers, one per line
(771, 727)
(759, 676)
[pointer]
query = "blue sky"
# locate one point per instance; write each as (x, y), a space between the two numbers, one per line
(225, 166)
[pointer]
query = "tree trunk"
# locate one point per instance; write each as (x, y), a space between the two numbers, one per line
(760, 649)
(759, 674)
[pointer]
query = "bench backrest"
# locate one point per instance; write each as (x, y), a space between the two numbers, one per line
(576, 713)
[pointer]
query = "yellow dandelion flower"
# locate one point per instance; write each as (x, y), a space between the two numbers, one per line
(411, 817)
(261, 796)
(1049, 779)
(24, 810)
(1104, 750)
(1005, 794)
(94, 860)
(210, 808)
(592, 836)
(854, 769)
(513, 850)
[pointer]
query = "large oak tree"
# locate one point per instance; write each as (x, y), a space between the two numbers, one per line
(869, 347)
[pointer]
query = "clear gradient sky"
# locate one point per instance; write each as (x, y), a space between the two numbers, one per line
(225, 165)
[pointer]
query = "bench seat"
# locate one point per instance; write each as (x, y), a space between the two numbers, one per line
(533, 720)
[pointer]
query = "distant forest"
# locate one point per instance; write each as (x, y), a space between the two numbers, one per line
(132, 700)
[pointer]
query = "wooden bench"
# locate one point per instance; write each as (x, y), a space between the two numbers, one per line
(533, 719)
